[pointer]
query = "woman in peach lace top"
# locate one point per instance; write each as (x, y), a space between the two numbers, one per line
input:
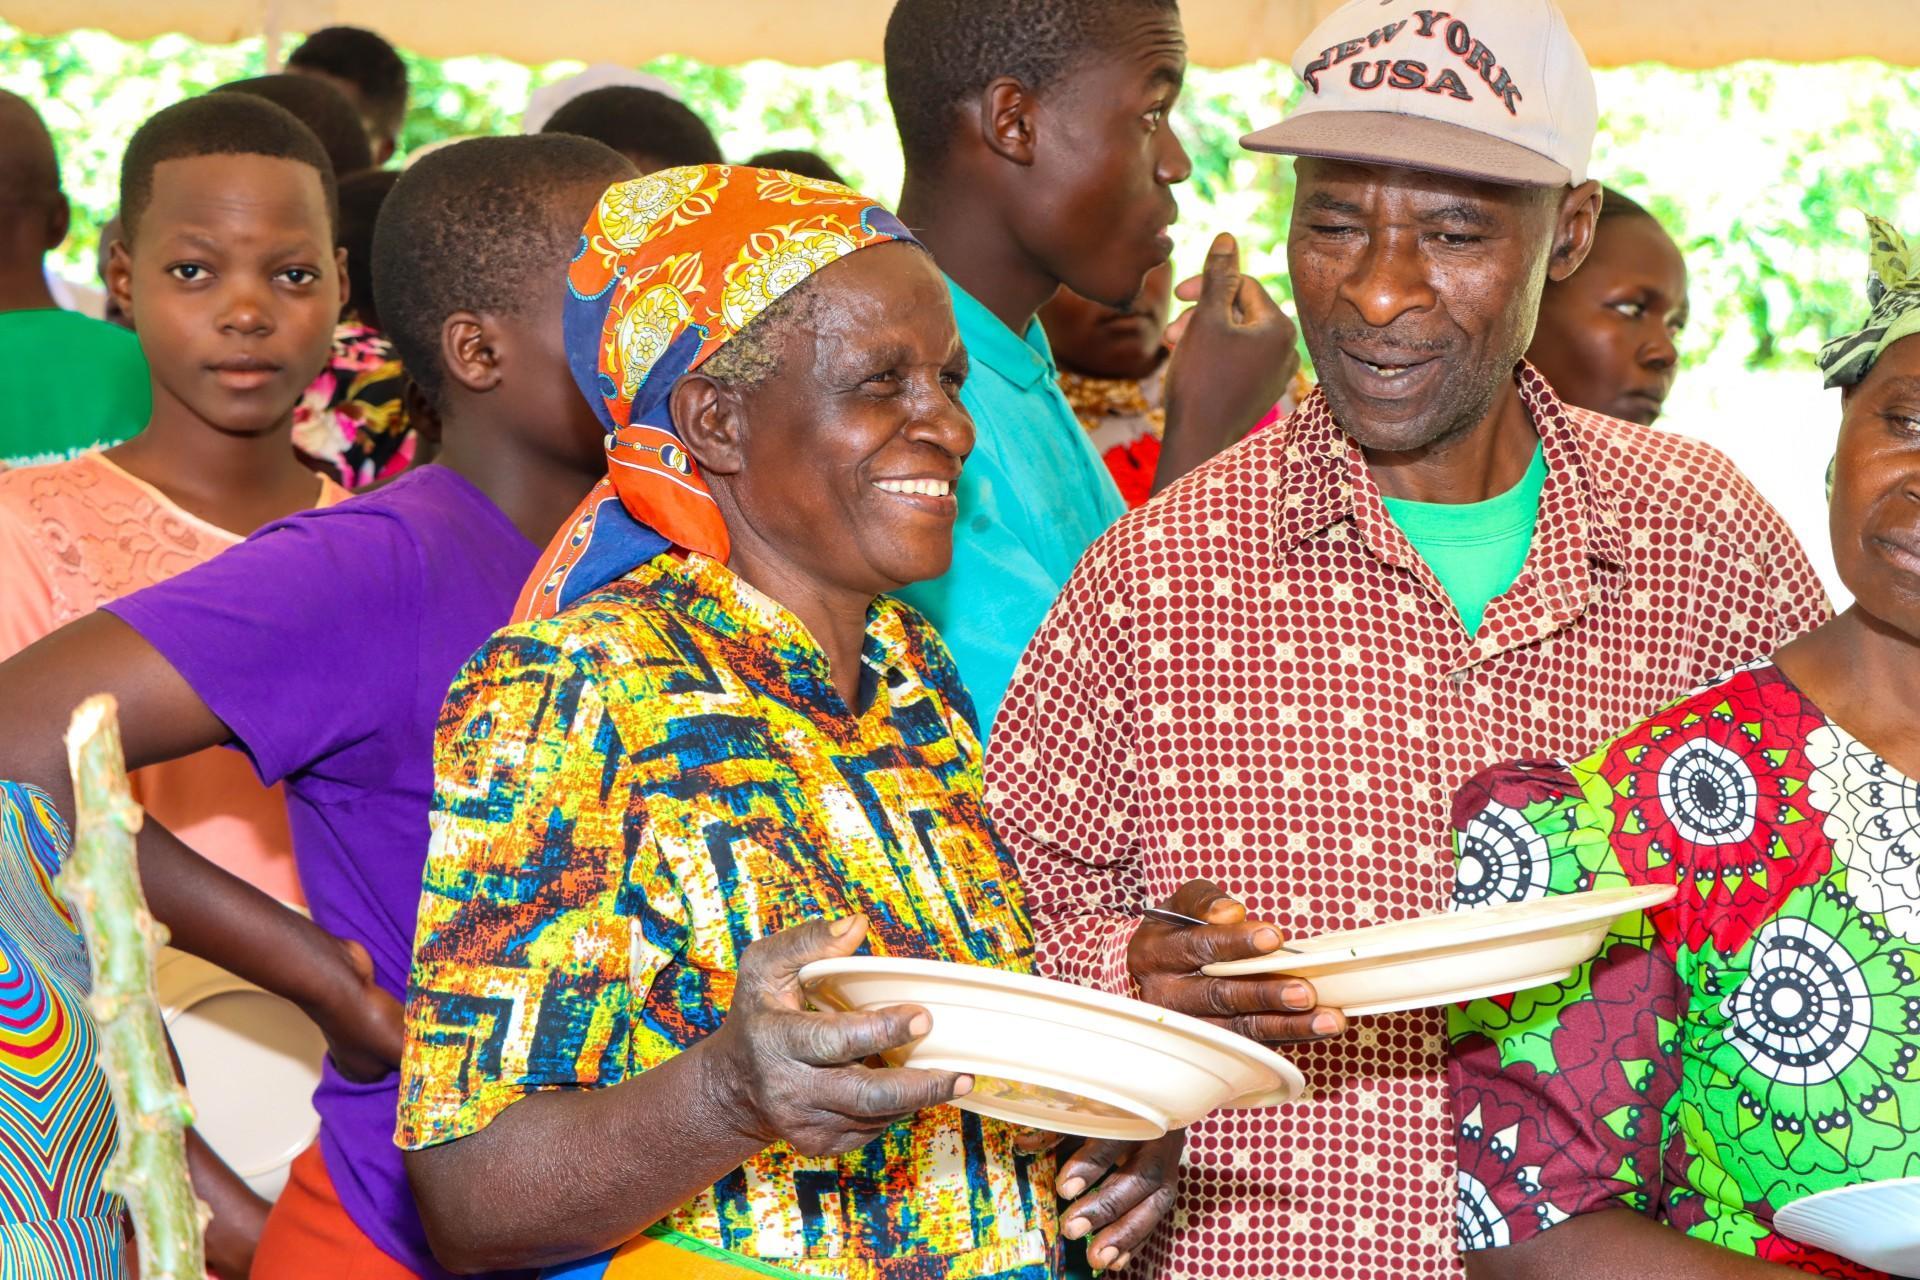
(226, 264)
(77, 534)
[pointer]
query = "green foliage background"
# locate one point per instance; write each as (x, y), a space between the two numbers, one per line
(1757, 168)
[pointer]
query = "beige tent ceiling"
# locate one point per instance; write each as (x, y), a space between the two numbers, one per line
(1689, 33)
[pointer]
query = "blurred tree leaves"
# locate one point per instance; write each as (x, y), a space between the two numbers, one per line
(1757, 168)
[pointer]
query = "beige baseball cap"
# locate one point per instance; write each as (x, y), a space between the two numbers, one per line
(1497, 90)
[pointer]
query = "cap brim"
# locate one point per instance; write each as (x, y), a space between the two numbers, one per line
(1408, 142)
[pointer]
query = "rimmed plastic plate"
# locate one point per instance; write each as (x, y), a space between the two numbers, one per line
(1059, 1057)
(1454, 955)
(251, 1061)
(1876, 1224)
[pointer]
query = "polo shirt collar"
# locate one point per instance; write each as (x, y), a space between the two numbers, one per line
(1331, 481)
(1023, 361)
(1579, 543)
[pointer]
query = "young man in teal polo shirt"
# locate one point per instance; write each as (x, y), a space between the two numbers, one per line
(1038, 154)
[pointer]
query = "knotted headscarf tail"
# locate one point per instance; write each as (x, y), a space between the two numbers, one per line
(1893, 296)
(671, 268)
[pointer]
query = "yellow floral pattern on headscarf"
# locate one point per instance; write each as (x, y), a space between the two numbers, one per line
(672, 267)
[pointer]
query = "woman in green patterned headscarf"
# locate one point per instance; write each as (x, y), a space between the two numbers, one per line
(1757, 1040)
(1893, 296)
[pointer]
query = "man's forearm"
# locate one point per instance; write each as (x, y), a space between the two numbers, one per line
(239, 1216)
(1617, 1245)
(213, 914)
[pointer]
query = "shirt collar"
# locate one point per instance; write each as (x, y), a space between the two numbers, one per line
(1023, 361)
(1331, 480)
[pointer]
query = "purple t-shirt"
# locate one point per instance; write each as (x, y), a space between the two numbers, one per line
(327, 642)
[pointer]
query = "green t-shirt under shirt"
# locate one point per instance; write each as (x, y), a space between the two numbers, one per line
(1476, 549)
(68, 383)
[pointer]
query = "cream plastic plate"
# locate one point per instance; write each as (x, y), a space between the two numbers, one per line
(1877, 1224)
(1454, 955)
(251, 1062)
(1058, 1057)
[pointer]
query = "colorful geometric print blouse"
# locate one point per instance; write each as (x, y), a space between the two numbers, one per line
(629, 793)
(1754, 1041)
(57, 1220)
(351, 423)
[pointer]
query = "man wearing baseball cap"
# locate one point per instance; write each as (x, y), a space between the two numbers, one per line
(1272, 678)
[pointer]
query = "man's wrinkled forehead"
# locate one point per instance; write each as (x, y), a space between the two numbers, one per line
(1325, 184)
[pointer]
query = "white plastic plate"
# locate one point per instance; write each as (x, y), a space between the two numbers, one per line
(1058, 1057)
(1877, 1224)
(1454, 955)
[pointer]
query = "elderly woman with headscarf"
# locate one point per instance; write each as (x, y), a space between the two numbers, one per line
(716, 750)
(1757, 1040)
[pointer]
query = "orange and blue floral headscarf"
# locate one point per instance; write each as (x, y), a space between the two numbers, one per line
(671, 268)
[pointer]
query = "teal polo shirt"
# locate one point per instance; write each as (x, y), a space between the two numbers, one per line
(1033, 496)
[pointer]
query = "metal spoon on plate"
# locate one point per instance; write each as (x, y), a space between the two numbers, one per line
(1165, 916)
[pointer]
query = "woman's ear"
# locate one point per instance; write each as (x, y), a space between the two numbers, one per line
(340, 267)
(712, 423)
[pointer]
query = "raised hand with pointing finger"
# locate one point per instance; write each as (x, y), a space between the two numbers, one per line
(1233, 358)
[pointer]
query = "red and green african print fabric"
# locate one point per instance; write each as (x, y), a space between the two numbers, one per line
(1750, 1043)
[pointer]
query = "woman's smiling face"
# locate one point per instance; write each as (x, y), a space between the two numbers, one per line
(843, 462)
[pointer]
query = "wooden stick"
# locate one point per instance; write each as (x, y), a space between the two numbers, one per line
(101, 882)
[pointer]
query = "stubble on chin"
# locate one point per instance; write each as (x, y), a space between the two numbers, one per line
(1446, 420)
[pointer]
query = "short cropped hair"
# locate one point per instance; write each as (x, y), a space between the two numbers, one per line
(365, 61)
(217, 124)
(808, 164)
(361, 197)
(478, 226)
(639, 124)
(29, 162)
(942, 53)
(320, 107)
(1615, 204)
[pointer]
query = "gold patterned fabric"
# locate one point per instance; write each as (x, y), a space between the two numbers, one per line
(631, 792)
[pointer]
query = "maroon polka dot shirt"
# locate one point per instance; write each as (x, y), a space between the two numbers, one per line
(1256, 680)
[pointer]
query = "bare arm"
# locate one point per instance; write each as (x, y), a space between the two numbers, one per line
(566, 1174)
(239, 1215)
(209, 912)
(1616, 1243)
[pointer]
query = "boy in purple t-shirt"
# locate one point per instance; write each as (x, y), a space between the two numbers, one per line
(323, 647)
